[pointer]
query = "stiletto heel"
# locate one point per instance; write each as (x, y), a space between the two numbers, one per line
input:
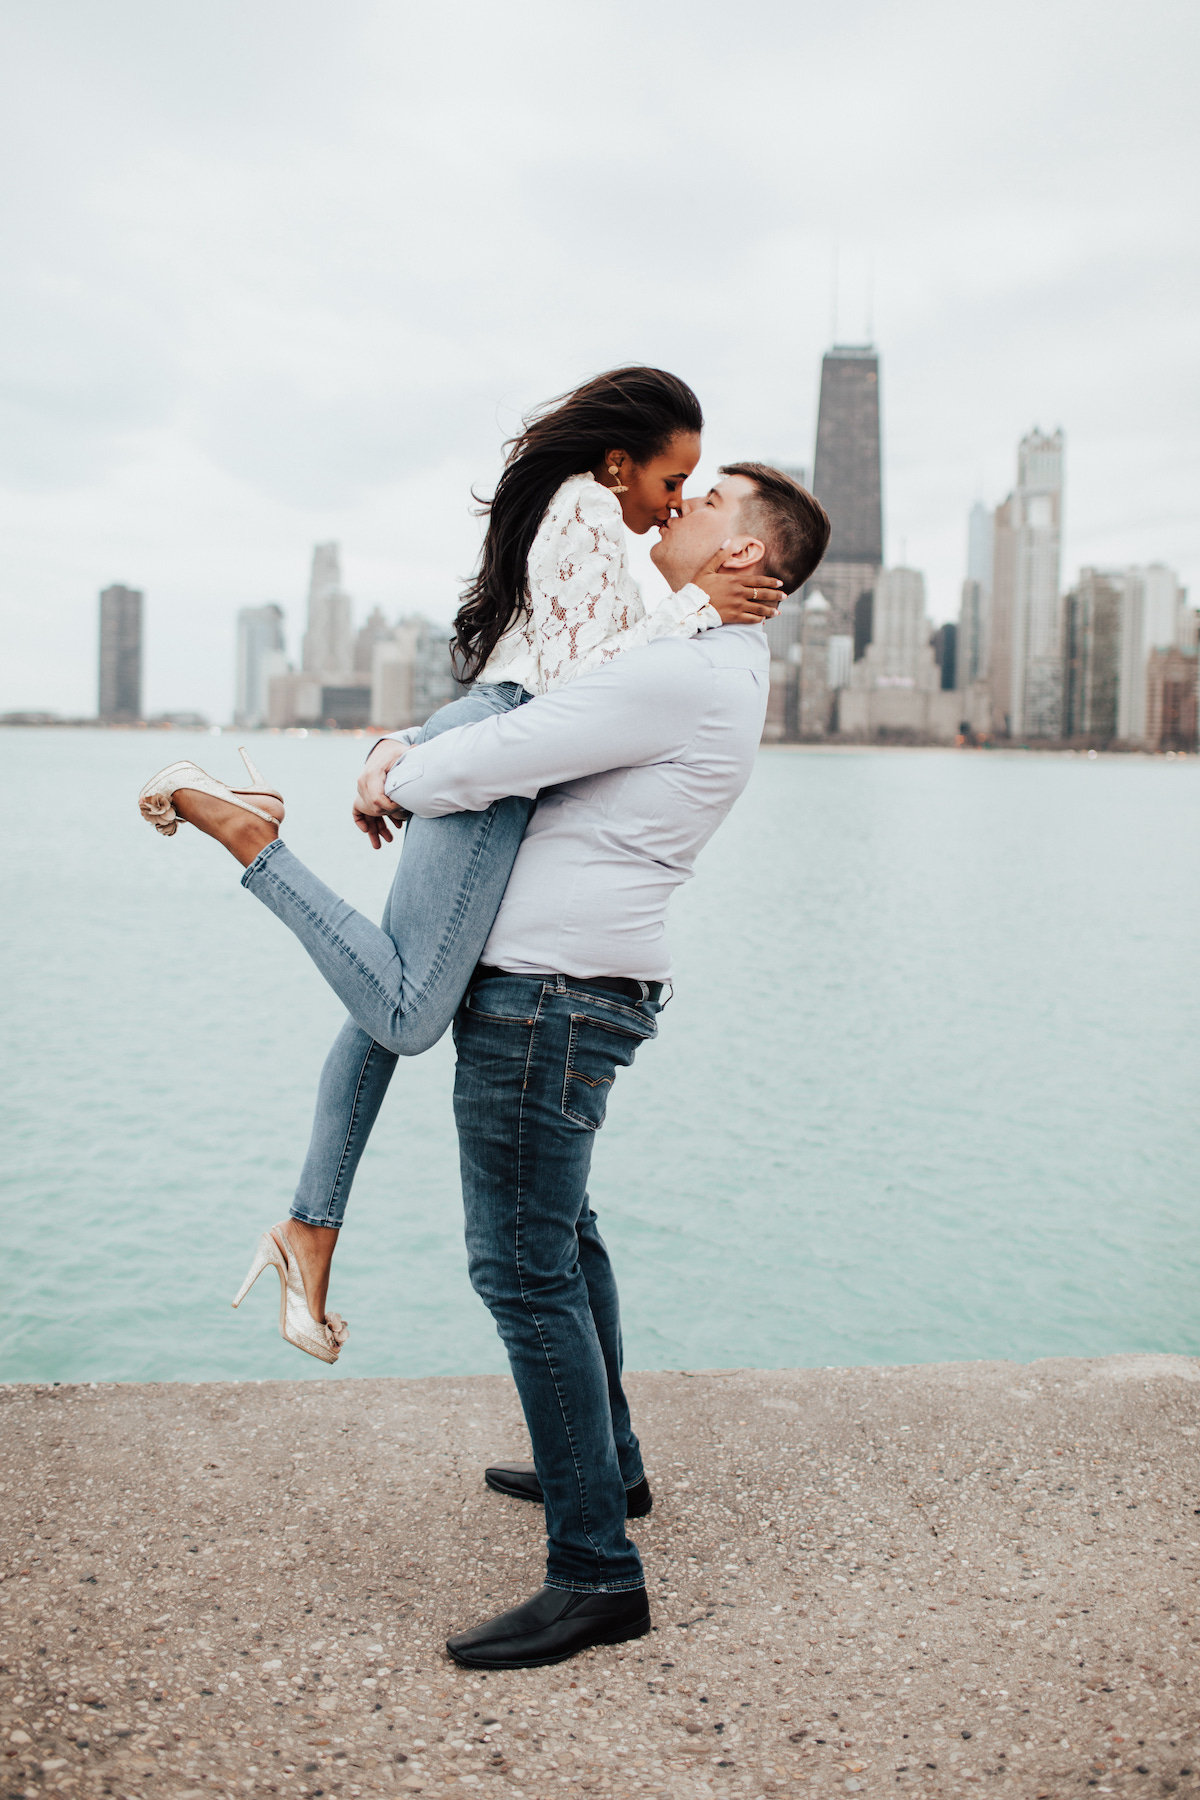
(267, 1255)
(154, 801)
(296, 1323)
(259, 785)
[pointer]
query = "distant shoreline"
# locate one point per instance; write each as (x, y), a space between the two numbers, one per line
(820, 747)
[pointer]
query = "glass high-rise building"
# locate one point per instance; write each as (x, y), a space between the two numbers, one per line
(1026, 647)
(848, 480)
(120, 653)
(974, 616)
(329, 641)
(260, 655)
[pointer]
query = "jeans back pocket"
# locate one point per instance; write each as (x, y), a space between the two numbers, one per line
(596, 1049)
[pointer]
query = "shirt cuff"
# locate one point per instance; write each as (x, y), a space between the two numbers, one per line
(404, 770)
(690, 606)
(698, 603)
(408, 737)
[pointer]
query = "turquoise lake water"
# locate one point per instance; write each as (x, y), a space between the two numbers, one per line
(927, 1089)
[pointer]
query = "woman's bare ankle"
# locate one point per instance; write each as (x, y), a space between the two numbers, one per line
(242, 833)
(313, 1247)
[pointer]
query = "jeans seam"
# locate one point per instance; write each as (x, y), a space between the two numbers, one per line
(331, 937)
(464, 899)
(569, 1073)
(358, 1088)
(537, 1323)
(468, 885)
(261, 860)
(617, 1006)
(608, 1587)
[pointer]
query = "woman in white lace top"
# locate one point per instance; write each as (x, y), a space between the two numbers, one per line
(553, 598)
(584, 605)
(561, 550)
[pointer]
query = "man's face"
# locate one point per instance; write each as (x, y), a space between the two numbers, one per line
(686, 543)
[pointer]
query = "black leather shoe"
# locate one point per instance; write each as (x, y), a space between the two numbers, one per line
(555, 1624)
(520, 1482)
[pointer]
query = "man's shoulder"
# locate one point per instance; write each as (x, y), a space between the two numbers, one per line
(724, 647)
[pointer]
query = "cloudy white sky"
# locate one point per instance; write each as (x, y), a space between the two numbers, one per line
(283, 270)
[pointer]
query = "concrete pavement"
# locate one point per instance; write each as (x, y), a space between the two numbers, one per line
(930, 1581)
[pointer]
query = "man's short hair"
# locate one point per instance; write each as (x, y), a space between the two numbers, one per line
(793, 525)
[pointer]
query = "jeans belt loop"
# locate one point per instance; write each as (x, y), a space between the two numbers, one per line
(560, 984)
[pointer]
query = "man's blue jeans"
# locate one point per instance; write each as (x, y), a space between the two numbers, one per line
(537, 1058)
(401, 981)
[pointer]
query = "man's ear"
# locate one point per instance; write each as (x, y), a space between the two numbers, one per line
(744, 552)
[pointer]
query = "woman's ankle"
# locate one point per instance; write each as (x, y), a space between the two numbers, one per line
(242, 833)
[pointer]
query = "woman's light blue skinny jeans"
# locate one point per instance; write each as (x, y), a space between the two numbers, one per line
(401, 981)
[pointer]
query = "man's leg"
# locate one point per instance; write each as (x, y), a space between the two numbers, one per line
(606, 1315)
(519, 1480)
(536, 1061)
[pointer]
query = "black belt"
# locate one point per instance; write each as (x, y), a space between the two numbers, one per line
(609, 984)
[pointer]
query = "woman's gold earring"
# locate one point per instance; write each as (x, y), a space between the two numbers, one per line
(618, 486)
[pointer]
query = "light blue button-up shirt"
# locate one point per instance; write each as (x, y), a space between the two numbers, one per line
(634, 767)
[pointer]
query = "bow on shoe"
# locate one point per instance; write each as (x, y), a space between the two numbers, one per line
(336, 1330)
(161, 814)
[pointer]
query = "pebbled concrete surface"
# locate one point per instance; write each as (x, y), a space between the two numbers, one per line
(967, 1579)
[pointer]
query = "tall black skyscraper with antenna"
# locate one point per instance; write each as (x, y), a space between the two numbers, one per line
(847, 480)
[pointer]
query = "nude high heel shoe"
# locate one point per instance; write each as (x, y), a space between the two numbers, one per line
(155, 798)
(296, 1323)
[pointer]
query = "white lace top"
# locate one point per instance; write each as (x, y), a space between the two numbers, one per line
(585, 606)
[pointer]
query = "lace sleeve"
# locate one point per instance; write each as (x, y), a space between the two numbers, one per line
(680, 614)
(574, 577)
(585, 606)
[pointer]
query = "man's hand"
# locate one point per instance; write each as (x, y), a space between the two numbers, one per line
(739, 598)
(372, 809)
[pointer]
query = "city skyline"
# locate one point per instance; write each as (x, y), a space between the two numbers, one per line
(258, 306)
(1025, 659)
(1012, 596)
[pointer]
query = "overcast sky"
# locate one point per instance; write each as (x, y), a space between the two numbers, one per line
(277, 271)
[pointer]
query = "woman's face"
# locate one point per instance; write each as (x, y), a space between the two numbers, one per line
(654, 490)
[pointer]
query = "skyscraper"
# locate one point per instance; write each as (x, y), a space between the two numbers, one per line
(974, 617)
(375, 631)
(1115, 621)
(895, 690)
(1092, 645)
(1025, 657)
(120, 653)
(1171, 699)
(847, 479)
(260, 655)
(899, 654)
(329, 641)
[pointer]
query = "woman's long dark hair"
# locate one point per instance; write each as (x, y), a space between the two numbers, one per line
(636, 409)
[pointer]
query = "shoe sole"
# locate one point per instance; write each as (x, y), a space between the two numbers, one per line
(512, 1493)
(623, 1635)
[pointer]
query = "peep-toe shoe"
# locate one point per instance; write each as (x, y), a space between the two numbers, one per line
(296, 1322)
(155, 798)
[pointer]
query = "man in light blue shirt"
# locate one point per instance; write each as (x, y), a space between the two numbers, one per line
(634, 767)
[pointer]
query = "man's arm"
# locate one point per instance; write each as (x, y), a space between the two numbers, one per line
(643, 708)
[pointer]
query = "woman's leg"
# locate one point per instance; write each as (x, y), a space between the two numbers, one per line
(358, 1069)
(353, 1083)
(402, 984)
